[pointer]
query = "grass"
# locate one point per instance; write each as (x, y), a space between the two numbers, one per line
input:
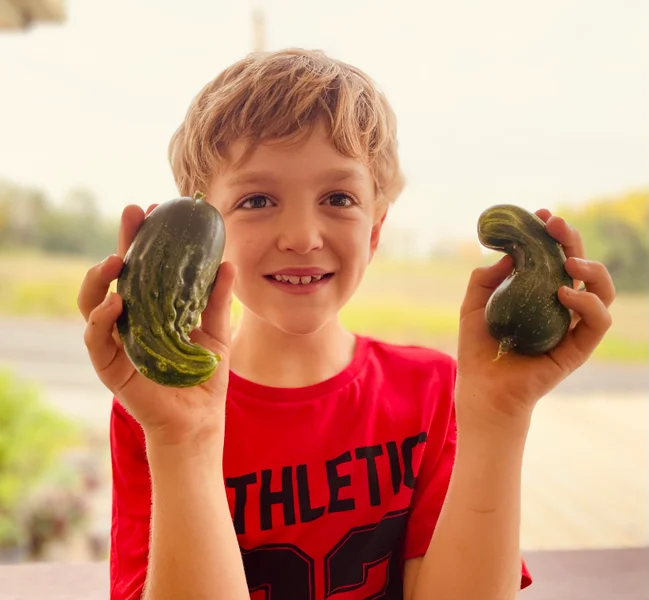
(409, 302)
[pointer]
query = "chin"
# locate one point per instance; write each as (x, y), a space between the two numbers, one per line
(292, 319)
(296, 325)
(295, 322)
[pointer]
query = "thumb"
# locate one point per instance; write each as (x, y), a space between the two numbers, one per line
(215, 320)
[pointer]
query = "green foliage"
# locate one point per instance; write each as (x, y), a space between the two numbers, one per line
(10, 531)
(616, 232)
(29, 220)
(31, 437)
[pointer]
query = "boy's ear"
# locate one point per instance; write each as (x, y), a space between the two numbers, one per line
(376, 233)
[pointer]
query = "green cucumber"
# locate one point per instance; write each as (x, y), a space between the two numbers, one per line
(524, 313)
(168, 274)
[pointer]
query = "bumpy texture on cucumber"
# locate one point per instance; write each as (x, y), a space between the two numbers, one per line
(169, 272)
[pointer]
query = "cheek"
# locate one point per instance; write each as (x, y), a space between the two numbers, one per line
(230, 254)
(239, 248)
(355, 250)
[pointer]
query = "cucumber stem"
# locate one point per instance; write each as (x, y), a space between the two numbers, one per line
(505, 345)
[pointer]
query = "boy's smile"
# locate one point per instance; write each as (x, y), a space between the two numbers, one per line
(301, 227)
(300, 280)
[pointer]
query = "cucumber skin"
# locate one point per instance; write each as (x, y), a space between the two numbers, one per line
(524, 313)
(168, 274)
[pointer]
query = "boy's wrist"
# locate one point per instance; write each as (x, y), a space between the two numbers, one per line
(475, 414)
(187, 443)
(180, 464)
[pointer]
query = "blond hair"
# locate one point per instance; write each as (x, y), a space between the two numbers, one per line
(273, 95)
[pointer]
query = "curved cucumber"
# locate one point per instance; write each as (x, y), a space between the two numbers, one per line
(169, 272)
(524, 313)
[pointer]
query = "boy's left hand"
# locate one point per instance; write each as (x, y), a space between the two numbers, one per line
(511, 385)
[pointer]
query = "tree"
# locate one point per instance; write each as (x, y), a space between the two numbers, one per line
(616, 232)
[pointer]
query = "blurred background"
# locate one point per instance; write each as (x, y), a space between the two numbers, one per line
(538, 104)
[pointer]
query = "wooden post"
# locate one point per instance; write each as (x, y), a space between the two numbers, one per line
(258, 29)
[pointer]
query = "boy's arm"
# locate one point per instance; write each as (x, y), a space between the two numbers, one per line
(182, 541)
(474, 551)
(478, 525)
(194, 551)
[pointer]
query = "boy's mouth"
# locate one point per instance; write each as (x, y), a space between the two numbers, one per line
(297, 279)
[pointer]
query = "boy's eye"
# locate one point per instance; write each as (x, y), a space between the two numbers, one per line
(255, 202)
(258, 201)
(340, 199)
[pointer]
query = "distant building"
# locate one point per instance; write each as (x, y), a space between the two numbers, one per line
(17, 15)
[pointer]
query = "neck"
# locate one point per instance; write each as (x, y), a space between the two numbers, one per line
(303, 359)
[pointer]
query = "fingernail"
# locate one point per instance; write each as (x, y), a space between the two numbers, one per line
(582, 262)
(568, 290)
(108, 300)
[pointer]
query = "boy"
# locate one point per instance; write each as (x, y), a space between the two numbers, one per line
(318, 463)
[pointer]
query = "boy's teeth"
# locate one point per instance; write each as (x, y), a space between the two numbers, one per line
(295, 280)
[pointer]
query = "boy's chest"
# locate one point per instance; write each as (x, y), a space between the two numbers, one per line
(320, 507)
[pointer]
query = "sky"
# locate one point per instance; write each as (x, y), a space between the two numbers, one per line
(533, 103)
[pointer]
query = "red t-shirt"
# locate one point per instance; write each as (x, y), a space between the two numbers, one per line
(331, 486)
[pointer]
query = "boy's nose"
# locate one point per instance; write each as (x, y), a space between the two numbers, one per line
(299, 234)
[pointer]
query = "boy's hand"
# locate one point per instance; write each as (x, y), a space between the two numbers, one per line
(167, 415)
(511, 385)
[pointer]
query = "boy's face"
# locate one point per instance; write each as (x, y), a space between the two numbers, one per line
(300, 228)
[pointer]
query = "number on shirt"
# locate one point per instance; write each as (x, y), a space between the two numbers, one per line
(347, 565)
(283, 571)
(362, 559)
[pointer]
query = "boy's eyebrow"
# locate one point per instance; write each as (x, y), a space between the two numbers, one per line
(330, 176)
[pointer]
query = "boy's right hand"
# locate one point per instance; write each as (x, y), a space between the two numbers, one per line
(167, 415)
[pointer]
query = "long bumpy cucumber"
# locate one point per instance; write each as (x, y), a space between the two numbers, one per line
(169, 272)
